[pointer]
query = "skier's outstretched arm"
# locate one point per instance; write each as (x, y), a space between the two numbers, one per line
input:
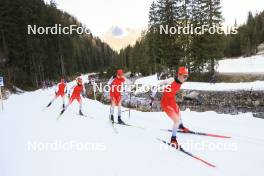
(166, 82)
(160, 85)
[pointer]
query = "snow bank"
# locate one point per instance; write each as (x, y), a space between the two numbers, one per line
(253, 64)
(257, 85)
(153, 81)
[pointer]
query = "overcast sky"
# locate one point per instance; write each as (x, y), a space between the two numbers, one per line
(100, 15)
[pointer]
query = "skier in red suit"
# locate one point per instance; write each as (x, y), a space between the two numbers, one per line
(77, 91)
(60, 91)
(169, 104)
(116, 84)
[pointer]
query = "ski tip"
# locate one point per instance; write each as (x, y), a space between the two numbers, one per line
(186, 152)
(198, 158)
(219, 136)
(59, 116)
(161, 140)
(205, 162)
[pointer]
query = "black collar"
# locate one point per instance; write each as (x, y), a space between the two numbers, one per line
(177, 80)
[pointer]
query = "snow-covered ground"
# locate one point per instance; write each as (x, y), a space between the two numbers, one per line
(153, 81)
(253, 64)
(133, 151)
(257, 85)
(241, 65)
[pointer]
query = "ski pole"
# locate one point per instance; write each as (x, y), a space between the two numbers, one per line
(1, 97)
(129, 105)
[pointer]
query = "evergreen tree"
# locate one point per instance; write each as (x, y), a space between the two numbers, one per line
(207, 12)
(32, 59)
(153, 37)
(168, 12)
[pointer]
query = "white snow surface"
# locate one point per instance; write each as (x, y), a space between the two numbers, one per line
(133, 151)
(257, 85)
(253, 64)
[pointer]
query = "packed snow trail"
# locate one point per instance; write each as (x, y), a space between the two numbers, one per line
(133, 151)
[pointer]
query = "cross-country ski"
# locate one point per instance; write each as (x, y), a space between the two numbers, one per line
(186, 152)
(131, 87)
(198, 133)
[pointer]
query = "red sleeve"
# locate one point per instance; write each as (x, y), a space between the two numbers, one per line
(123, 80)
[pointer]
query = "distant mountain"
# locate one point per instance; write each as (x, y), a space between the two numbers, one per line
(118, 37)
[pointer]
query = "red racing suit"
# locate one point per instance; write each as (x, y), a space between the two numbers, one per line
(61, 89)
(115, 89)
(168, 102)
(76, 93)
